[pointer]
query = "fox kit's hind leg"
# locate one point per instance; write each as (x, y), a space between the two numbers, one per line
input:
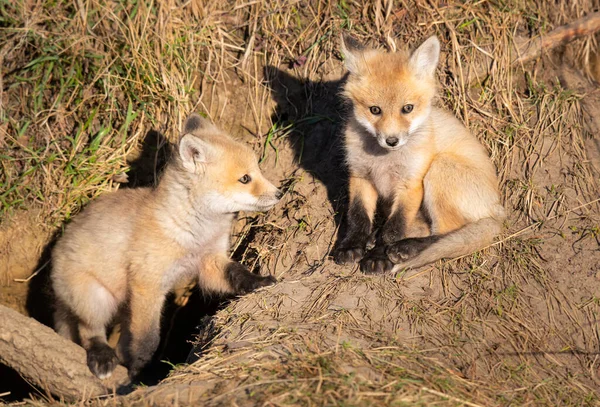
(401, 216)
(363, 203)
(445, 219)
(88, 304)
(101, 358)
(465, 215)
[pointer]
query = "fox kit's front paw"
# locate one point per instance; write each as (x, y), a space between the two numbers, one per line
(253, 282)
(242, 281)
(256, 281)
(348, 255)
(101, 359)
(376, 261)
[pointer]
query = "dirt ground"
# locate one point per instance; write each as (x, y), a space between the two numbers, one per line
(513, 324)
(521, 312)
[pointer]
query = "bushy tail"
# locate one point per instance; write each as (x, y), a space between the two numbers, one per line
(468, 239)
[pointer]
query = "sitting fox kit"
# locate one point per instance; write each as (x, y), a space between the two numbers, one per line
(411, 157)
(123, 254)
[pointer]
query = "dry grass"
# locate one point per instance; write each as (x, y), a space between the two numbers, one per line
(516, 324)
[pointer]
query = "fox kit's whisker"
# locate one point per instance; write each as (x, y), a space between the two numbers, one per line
(128, 249)
(401, 149)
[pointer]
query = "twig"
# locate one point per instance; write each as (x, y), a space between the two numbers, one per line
(250, 45)
(528, 50)
(35, 273)
(579, 28)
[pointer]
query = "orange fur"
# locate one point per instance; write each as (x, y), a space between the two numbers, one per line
(128, 249)
(415, 156)
(363, 190)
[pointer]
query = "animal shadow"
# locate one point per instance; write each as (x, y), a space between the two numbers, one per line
(313, 112)
(145, 169)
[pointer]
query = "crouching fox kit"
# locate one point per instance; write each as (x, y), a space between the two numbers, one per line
(128, 249)
(414, 159)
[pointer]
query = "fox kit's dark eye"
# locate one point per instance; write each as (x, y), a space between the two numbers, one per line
(245, 179)
(376, 110)
(407, 108)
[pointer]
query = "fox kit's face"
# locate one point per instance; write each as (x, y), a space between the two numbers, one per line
(391, 93)
(239, 184)
(225, 171)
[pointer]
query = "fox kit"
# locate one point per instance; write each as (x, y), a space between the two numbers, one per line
(413, 158)
(128, 249)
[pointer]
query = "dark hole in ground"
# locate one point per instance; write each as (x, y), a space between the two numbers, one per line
(145, 170)
(13, 384)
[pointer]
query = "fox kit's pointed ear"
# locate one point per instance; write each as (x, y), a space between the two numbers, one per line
(352, 51)
(196, 122)
(425, 58)
(195, 153)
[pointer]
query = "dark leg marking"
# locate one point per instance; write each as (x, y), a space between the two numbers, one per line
(101, 358)
(352, 247)
(376, 261)
(406, 249)
(394, 228)
(243, 281)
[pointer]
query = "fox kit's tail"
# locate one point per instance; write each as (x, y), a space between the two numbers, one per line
(416, 252)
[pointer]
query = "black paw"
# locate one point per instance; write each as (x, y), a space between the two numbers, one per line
(243, 281)
(101, 359)
(376, 261)
(406, 249)
(346, 255)
(255, 282)
(394, 228)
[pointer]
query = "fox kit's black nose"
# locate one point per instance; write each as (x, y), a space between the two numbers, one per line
(392, 141)
(278, 194)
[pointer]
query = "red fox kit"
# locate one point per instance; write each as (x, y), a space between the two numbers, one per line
(411, 157)
(128, 249)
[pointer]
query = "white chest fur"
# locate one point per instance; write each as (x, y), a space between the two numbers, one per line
(387, 170)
